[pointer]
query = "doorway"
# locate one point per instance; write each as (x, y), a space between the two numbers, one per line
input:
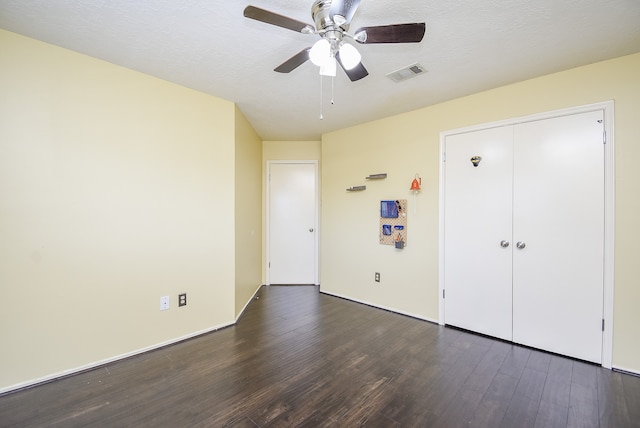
(292, 222)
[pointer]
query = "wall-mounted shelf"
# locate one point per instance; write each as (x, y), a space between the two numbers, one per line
(356, 188)
(377, 176)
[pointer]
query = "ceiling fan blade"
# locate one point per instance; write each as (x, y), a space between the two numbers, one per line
(345, 9)
(398, 33)
(294, 62)
(356, 73)
(275, 19)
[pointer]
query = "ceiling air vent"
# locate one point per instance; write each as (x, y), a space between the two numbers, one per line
(406, 73)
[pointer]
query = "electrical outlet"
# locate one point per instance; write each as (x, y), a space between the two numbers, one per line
(377, 276)
(182, 299)
(164, 303)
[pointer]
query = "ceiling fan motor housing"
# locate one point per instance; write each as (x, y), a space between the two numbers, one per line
(320, 14)
(326, 28)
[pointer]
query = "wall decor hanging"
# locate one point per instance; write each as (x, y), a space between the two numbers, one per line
(393, 223)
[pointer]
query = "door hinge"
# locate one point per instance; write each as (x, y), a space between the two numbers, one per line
(604, 137)
(269, 264)
(444, 156)
(602, 324)
(443, 294)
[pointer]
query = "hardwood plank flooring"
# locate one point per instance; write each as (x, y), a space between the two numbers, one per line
(299, 358)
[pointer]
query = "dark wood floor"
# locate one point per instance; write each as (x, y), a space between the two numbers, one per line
(298, 358)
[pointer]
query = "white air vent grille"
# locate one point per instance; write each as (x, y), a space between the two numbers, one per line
(406, 73)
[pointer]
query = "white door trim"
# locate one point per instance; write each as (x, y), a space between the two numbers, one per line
(609, 207)
(268, 220)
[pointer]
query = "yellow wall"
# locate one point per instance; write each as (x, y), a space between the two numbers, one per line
(248, 212)
(291, 150)
(407, 144)
(115, 188)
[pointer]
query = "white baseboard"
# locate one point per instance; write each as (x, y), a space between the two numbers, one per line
(409, 314)
(625, 371)
(253, 296)
(97, 364)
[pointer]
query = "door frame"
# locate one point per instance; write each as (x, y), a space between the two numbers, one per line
(268, 219)
(609, 208)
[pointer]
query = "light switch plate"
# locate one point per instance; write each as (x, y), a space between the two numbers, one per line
(164, 303)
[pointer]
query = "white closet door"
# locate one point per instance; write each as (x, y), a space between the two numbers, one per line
(292, 223)
(558, 212)
(478, 207)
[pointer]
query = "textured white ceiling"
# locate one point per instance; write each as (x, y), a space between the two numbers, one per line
(208, 45)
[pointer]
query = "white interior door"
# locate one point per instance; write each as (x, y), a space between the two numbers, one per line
(292, 228)
(478, 207)
(559, 216)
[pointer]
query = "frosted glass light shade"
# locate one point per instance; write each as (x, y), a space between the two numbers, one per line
(320, 52)
(349, 56)
(329, 67)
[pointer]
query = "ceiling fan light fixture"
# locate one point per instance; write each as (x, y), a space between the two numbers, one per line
(349, 56)
(329, 67)
(320, 53)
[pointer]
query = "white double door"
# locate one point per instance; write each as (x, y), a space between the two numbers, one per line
(524, 233)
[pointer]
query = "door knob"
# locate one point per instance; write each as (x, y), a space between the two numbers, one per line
(520, 245)
(311, 229)
(504, 244)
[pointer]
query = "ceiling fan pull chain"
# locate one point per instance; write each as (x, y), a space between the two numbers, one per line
(321, 117)
(332, 79)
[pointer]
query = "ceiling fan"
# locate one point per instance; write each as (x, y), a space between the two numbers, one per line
(332, 19)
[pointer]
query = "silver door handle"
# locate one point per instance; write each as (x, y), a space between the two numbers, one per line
(311, 229)
(520, 245)
(504, 244)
